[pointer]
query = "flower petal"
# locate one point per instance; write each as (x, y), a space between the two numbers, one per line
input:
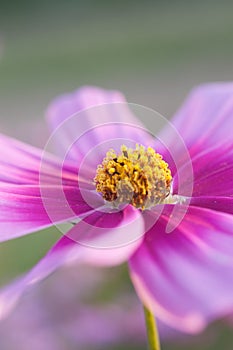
(10, 294)
(24, 164)
(88, 96)
(89, 117)
(213, 173)
(186, 277)
(37, 190)
(109, 231)
(24, 209)
(203, 121)
(68, 251)
(205, 118)
(222, 204)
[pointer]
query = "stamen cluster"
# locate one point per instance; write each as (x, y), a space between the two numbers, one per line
(137, 176)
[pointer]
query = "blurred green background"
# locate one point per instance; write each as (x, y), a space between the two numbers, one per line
(154, 51)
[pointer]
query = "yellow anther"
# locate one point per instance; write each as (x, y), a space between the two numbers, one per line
(137, 176)
(112, 170)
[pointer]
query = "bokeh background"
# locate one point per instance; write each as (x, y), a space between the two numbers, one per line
(153, 51)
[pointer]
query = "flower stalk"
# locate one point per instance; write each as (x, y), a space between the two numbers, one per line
(152, 331)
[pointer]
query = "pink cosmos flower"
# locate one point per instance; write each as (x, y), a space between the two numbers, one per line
(170, 218)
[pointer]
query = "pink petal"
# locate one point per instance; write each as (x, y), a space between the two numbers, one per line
(37, 190)
(205, 119)
(213, 173)
(54, 259)
(23, 164)
(186, 277)
(68, 251)
(222, 204)
(109, 231)
(24, 209)
(90, 116)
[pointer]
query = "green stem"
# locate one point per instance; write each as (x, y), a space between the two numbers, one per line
(152, 331)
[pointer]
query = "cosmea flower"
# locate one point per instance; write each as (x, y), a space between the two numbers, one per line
(163, 204)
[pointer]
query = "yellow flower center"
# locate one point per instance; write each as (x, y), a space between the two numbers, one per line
(137, 176)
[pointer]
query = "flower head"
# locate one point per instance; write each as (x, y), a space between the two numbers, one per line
(163, 203)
